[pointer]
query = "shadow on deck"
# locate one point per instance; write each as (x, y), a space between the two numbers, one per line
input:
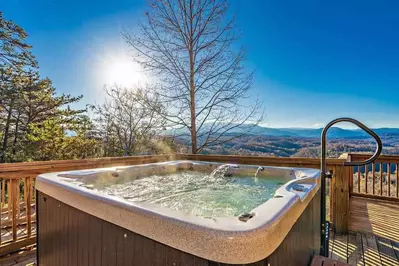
(373, 237)
(376, 217)
(364, 249)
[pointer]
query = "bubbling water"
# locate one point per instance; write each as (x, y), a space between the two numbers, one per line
(207, 195)
(222, 171)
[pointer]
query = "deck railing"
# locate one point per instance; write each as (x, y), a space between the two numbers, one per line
(18, 212)
(18, 202)
(376, 180)
(18, 209)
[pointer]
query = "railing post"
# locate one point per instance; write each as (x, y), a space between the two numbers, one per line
(14, 208)
(340, 197)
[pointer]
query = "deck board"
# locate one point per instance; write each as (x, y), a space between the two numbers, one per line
(371, 255)
(323, 261)
(395, 247)
(355, 249)
(340, 250)
(6, 233)
(26, 258)
(387, 254)
(364, 249)
(375, 217)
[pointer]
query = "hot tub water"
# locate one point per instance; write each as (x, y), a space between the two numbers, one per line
(218, 194)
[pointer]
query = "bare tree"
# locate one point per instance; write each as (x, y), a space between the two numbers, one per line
(126, 125)
(187, 45)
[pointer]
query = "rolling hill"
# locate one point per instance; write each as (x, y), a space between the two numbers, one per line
(334, 132)
(300, 142)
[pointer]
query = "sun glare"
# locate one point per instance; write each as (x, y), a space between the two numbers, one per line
(123, 72)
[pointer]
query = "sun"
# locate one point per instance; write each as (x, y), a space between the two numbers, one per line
(123, 72)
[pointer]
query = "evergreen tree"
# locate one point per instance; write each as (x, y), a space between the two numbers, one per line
(14, 51)
(36, 123)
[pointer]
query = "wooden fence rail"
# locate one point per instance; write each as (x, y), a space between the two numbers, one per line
(377, 180)
(18, 213)
(18, 202)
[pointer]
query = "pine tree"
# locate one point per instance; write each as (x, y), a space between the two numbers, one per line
(14, 51)
(36, 123)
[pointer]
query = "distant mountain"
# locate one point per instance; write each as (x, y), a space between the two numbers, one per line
(387, 131)
(334, 132)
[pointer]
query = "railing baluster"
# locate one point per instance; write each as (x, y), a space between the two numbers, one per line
(384, 176)
(18, 205)
(28, 206)
(397, 181)
(373, 176)
(3, 193)
(9, 201)
(33, 192)
(359, 178)
(351, 171)
(366, 177)
(381, 177)
(1, 204)
(14, 209)
(389, 179)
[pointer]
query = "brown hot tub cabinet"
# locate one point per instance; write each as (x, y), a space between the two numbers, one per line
(78, 226)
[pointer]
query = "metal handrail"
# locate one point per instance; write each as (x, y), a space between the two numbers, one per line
(324, 174)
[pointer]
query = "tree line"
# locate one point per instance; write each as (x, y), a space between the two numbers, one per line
(200, 98)
(34, 119)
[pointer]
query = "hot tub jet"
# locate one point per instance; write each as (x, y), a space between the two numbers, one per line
(260, 169)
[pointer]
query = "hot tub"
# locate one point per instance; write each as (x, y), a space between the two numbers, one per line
(179, 213)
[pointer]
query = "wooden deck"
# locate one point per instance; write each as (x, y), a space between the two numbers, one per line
(323, 261)
(26, 258)
(374, 234)
(364, 249)
(375, 217)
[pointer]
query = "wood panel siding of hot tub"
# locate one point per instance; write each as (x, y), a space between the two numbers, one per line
(68, 236)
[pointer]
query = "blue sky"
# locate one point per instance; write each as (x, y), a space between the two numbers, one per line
(314, 60)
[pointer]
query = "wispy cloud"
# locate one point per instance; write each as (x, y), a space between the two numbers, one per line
(318, 125)
(264, 124)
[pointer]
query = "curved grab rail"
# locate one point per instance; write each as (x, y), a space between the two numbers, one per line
(324, 230)
(360, 125)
